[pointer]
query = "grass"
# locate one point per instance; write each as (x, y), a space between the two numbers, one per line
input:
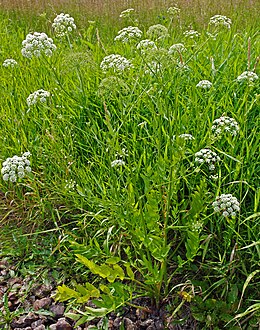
(147, 227)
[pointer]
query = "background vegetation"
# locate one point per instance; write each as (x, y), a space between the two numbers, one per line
(149, 223)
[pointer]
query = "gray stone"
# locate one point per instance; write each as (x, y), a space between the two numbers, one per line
(159, 325)
(129, 325)
(37, 323)
(24, 321)
(57, 310)
(42, 291)
(62, 324)
(151, 327)
(53, 327)
(43, 303)
(117, 322)
(40, 327)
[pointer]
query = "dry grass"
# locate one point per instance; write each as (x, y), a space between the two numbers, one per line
(193, 10)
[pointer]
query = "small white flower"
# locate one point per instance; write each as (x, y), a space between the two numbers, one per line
(191, 34)
(6, 177)
(208, 157)
(196, 226)
(128, 34)
(70, 185)
(146, 45)
(126, 13)
(180, 48)
(157, 31)
(12, 178)
(226, 204)
(28, 169)
(9, 62)
(63, 24)
(224, 124)
(39, 96)
(247, 76)
(37, 44)
(13, 168)
(26, 154)
(220, 20)
(172, 11)
(205, 84)
(186, 137)
(117, 162)
(116, 63)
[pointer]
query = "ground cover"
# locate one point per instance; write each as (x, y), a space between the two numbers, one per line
(130, 165)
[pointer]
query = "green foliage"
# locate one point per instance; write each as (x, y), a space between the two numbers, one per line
(212, 312)
(148, 222)
(107, 298)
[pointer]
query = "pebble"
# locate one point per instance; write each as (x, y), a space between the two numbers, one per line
(43, 303)
(62, 324)
(57, 310)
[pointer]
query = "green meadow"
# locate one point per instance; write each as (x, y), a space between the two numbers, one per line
(137, 163)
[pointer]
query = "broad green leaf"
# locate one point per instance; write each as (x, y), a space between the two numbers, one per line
(103, 270)
(129, 272)
(90, 264)
(119, 271)
(112, 260)
(85, 319)
(104, 288)
(65, 293)
(73, 316)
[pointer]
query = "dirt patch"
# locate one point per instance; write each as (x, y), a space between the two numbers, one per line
(26, 303)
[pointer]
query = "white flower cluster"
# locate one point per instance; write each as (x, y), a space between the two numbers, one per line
(70, 185)
(220, 20)
(129, 33)
(115, 62)
(39, 96)
(16, 167)
(37, 44)
(196, 226)
(249, 76)
(186, 137)
(180, 48)
(117, 162)
(153, 68)
(126, 13)
(206, 156)
(63, 24)
(227, 205)
(225, 124)
(173, 11)
(10, 62)
(157, 31)
(206, 84)
(191, 34)
(146, 45)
